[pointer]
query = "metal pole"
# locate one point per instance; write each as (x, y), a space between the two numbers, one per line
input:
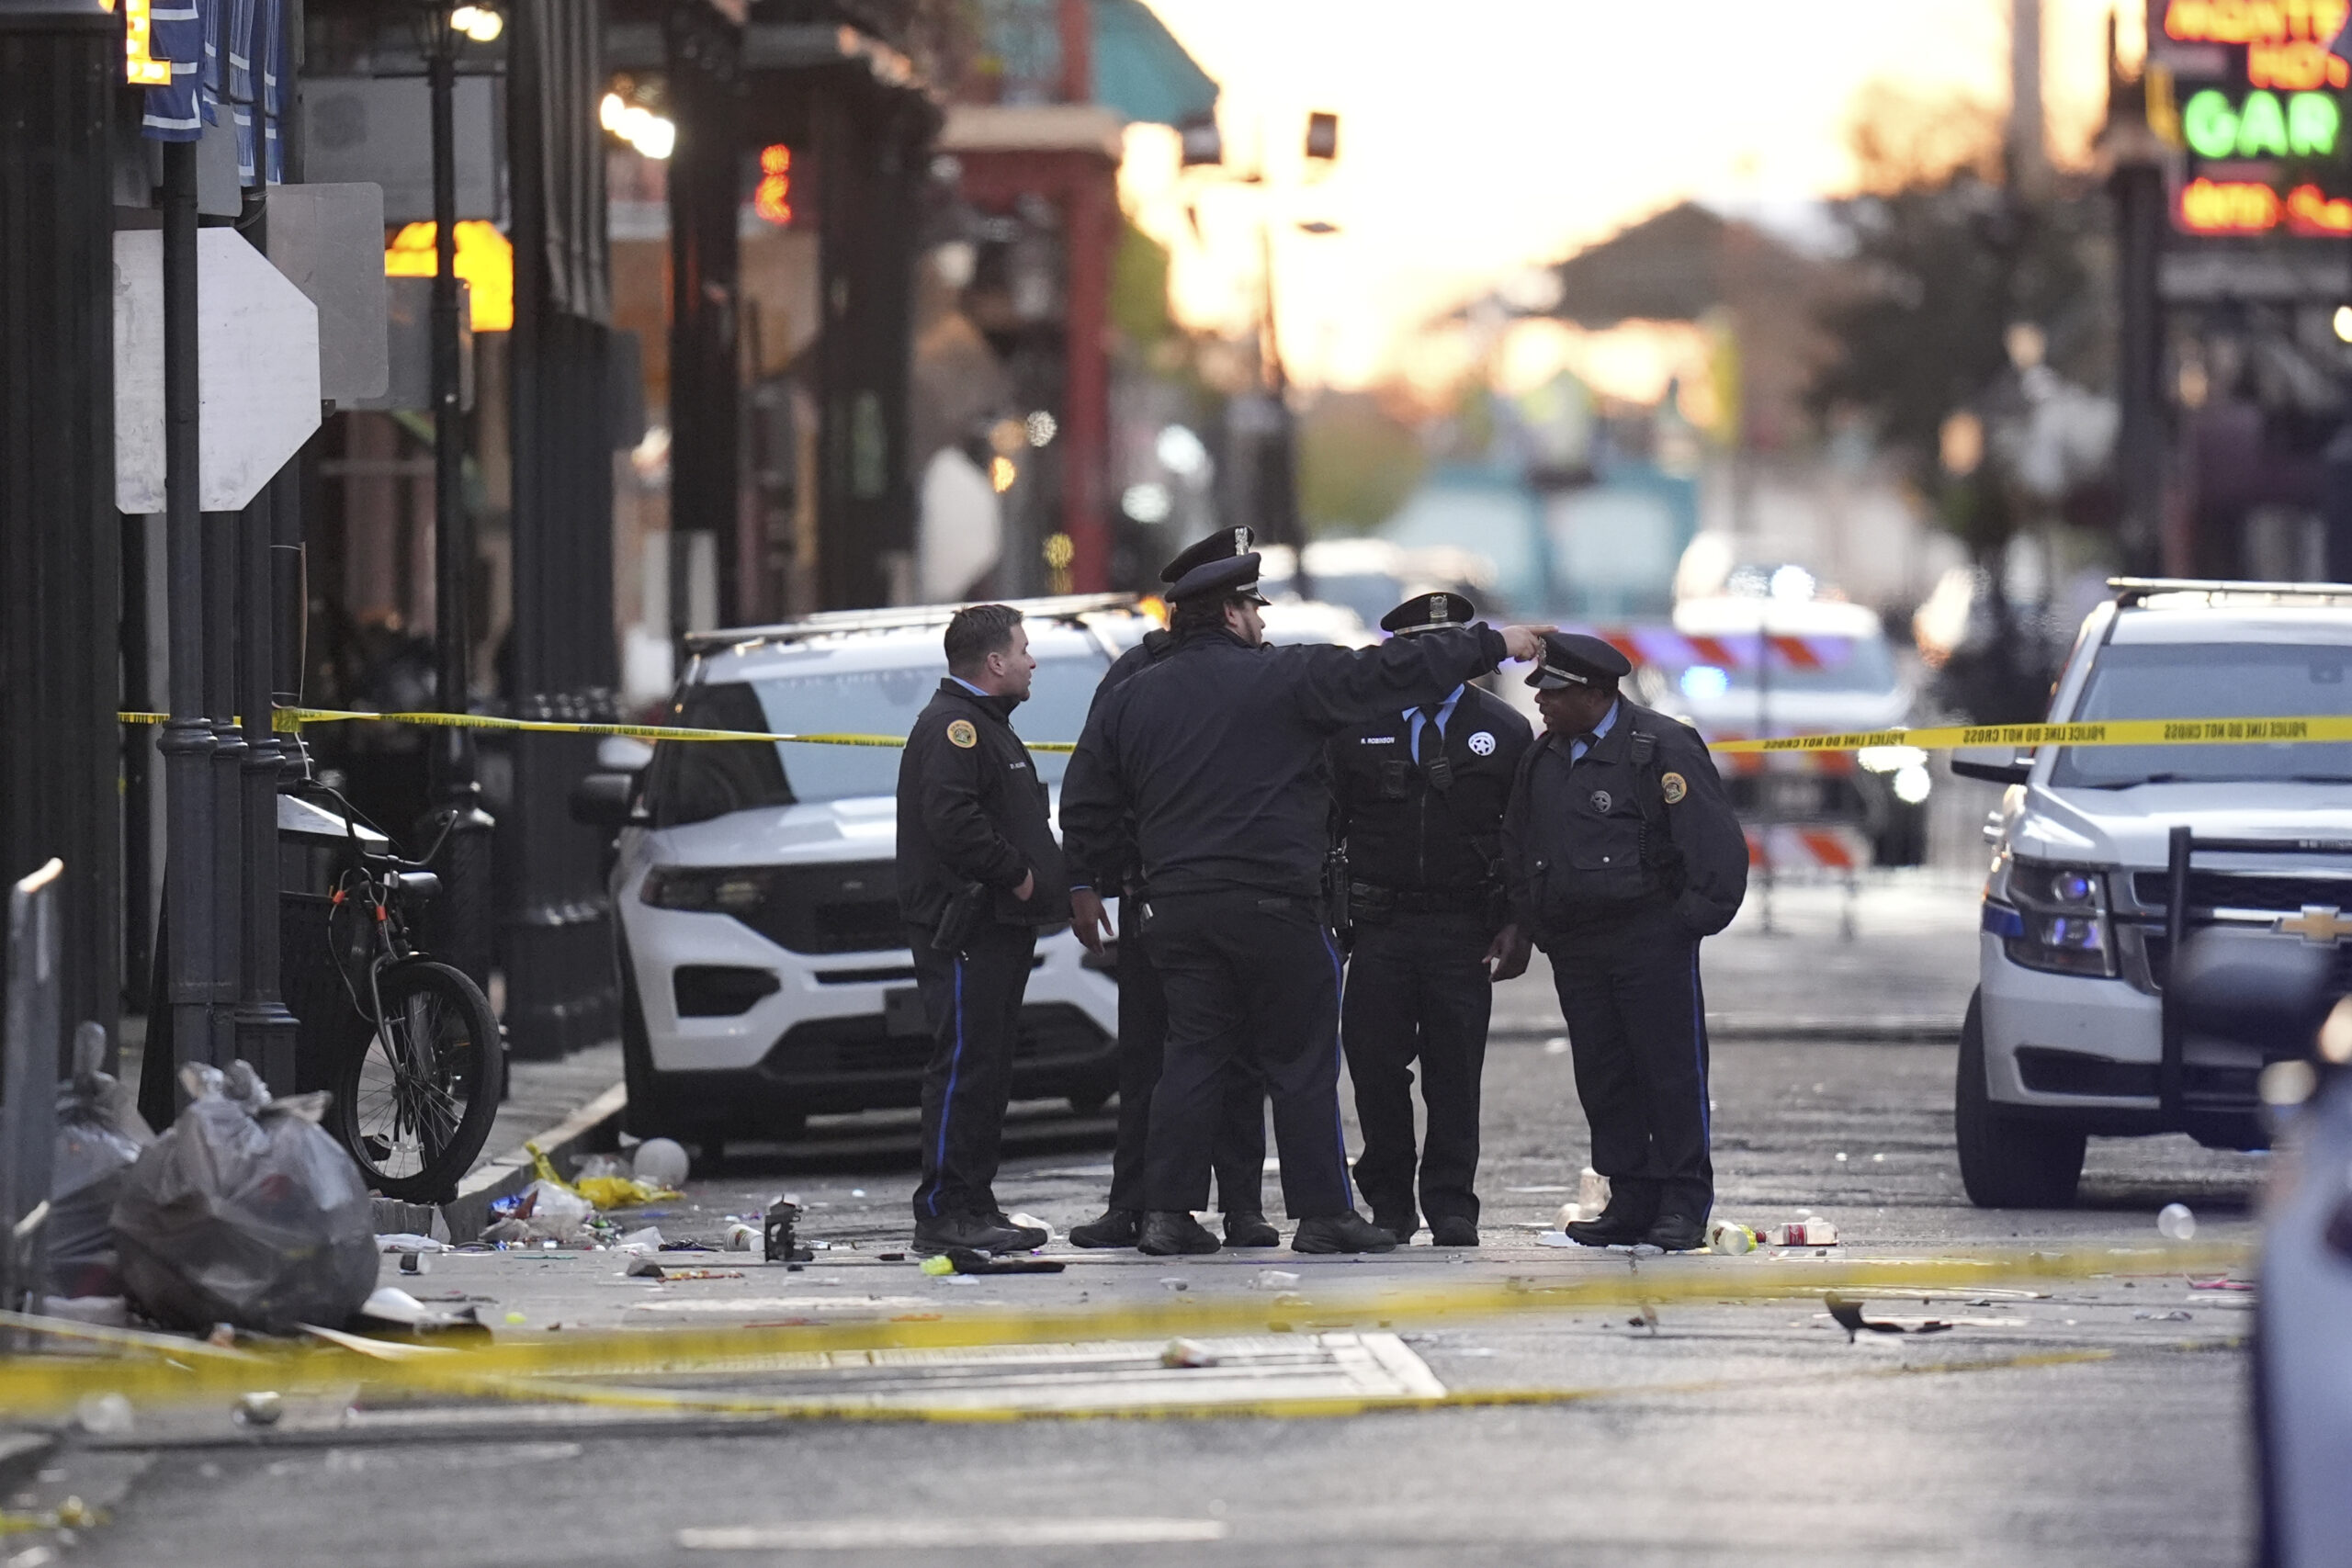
(465, 915)
(265, 1030)
(222, 911)
(187, 739)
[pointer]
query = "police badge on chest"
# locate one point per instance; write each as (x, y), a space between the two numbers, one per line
(1602, 800)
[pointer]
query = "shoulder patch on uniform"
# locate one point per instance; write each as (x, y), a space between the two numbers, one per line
(961, 733)
(1482, 744)
(1674, 786)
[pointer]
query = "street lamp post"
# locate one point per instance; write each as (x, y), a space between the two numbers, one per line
(465, 915)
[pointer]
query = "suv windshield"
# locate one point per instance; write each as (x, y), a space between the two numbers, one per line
(695, 781)
(2212, 680)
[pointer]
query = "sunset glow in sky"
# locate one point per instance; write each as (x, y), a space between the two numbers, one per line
(1483, 136)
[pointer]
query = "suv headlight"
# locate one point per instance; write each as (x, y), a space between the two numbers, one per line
(720, 890)
(2050, 916)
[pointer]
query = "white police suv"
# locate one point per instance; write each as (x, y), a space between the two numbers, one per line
(765, 973)
(2109, 858)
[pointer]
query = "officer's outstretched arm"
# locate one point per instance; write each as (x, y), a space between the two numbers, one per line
(958, 826)
(1335, 688)
(1714, 849)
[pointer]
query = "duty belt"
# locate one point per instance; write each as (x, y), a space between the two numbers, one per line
(1372, 899)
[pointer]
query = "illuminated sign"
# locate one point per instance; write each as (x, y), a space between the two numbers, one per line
(2251, 94)
(485, 260)
(2255, 21)
(2261, 124)
(772, 198)
(140, 66)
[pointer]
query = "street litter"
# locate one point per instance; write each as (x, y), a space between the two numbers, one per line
(585, 1168)
(778, 1241)
(99, 1137)
(1729, 1236)
(545, 1211)
(740, 1236)
(104, 1414)
(662, 1161)
(1175, 1284)
(966, 1261)
(245, 1211)
(407, 1242)
(2221, 1284)
(392, 1314)
(1849, 1316)
(649, 1268)
(258, 1409)
(1272, 1280)
(1592, 1196)
(1810, 1231)
(1032, 1222)
(937, 1265)
(646, 1240)
(415, 1263)
(2175, 1316)
(1187, 1353)
(622, 1191)
(2175, 1223)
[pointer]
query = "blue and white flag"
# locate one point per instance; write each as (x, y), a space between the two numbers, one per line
(226, 56)
(178, 36)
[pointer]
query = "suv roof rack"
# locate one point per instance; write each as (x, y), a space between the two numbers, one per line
(902, 618)
(2134, 589)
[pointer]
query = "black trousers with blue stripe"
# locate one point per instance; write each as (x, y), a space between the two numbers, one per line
(1637, 1033)
(972, 1001)
(1252, 983)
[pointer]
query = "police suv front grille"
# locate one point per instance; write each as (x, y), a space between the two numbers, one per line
(1052, 1034)
(2158, 948)
(2241, 890)
(851, 907)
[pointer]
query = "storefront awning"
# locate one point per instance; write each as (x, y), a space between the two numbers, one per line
(1141, 71)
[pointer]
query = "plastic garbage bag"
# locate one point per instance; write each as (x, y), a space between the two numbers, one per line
(545, 1211)
(99, 1136)
(245, 1211)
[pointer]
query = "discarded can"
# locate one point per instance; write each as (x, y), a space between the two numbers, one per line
(1729, 1236)
(778, 1244)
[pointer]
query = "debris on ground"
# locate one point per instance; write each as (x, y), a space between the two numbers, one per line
(545, 1211)
(1729, 1236)
(245, 1211)
(1810, 1231)
(963, 1260)
(1272, 1280)
(662, 1161)
(2175, 1223)
(1187, 1353)
(104, 1414)
(392, 1314)
(409, 1241)
(646, 1240)
(1847, 1314)
(647, 1268)
(100, 1135)
(259, 1409)
(779, 1238)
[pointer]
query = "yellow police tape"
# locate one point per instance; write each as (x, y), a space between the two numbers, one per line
(161, 1368)
(1939, 737)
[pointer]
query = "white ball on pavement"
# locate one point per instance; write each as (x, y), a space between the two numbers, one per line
(661, 1161)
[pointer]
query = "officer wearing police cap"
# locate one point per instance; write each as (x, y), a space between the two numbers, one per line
(1239, 1157)
(1213, 759)
(1621, 851)
(1417, 798)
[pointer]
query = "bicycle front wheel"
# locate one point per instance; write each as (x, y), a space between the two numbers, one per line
(414, 1105)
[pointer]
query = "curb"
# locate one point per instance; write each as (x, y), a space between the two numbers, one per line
(22, 1456)
(594, 1126)
(1932, 1031)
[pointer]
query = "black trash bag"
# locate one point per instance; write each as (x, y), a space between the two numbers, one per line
(99, 1136)
(245, 1211)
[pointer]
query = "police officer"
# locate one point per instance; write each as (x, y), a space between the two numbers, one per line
(1217, 753)
(1418, 799)
(1621, 851)
(1239, 1157)
(979, 872)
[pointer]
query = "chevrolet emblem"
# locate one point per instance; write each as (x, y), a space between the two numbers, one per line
(2319, 923)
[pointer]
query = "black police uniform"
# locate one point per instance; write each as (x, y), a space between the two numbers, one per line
(1216, 751)
(971, 809)
(1619, 862)
(1238, 1156)
(1419, 812)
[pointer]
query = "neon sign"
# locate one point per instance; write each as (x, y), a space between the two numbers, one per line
(140, 66)
(2248, 206)
(772, 198)
(2256, 21)
(2302, 125)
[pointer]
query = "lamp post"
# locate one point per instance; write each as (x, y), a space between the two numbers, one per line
(465, 917)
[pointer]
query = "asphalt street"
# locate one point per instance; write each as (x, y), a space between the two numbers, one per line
(2090, 1421)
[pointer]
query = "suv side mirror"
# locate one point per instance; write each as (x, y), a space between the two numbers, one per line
(605, 800)
(2016, 770)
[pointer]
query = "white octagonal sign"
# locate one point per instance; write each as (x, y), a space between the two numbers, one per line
(257, 369)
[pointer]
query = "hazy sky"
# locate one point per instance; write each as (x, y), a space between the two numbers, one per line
(1481, 136)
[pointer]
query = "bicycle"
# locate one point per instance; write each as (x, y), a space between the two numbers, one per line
(413, 1102)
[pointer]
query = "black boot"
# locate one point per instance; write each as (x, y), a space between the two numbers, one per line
(1117, 1227)
(1169, 1233)
(1615, 1227)
(1676, 1233)
(977, 1232)
(1401, 1225)
(1250, 1230)
(1032, 1237)
(1453, 1232)
(1348, 1232)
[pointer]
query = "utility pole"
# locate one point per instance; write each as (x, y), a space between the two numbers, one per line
(2028, 147)
(466, 919)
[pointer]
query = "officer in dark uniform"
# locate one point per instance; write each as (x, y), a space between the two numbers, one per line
(979, 872)
(1213, 759)
(1418, 799)
(1239, 1158)
(1621, 851)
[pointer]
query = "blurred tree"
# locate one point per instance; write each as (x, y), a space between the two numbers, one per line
(1139, 289)
(1357, 462)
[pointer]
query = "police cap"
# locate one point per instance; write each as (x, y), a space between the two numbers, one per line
(1572, 659)
(1429, 612)
(1235, 576)
(1223, 545)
